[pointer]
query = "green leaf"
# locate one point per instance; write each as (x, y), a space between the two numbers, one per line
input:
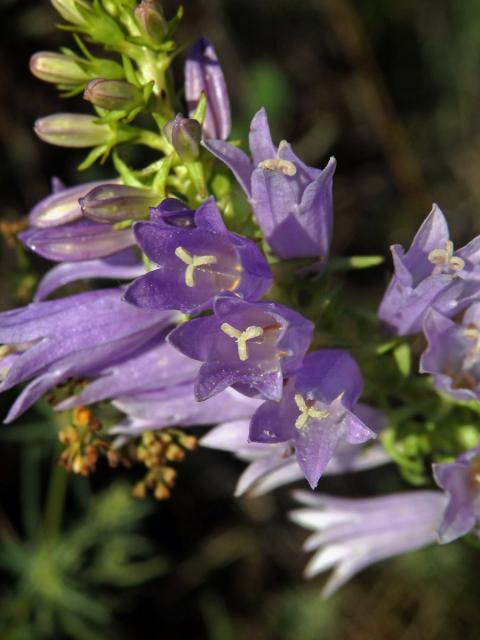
(365, 262)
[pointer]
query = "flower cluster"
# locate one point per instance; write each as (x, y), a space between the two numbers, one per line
(201, 333)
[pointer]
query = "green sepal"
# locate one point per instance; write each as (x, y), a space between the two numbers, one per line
(403, 359)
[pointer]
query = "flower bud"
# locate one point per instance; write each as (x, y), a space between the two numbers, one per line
(116, 202)
(81, 240)
(204, 74)
(114, 95)
(184, 134)
(61, 206)
(68, 9)
(57, 68)
(72, 130)
(151, 20)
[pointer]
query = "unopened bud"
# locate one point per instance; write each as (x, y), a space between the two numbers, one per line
(60, 207)
(184, 134)
(114, 95)
(139, 490)
(69, 10)
(57, 68)
(203, 74)
(151, 20)
(116, 202)
(72, 130)
(161, 492)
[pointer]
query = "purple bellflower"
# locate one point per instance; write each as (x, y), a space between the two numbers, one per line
(461, 481)
(250, 346)
(121, 266)
(274, 465)
(291, 201)
(175, 406)
(453, 353)
(197, 258)
(315, 412)
(75, 336)
(153, 365)
(430, 274)
(349, 535)
(203, 74)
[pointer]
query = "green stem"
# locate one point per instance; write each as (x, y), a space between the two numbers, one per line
(55, 501)
(152, 140)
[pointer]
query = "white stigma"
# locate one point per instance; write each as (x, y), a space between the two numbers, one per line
(278, 164)
(192, 262)
(443, 259)
(242, 337)
(307, 412)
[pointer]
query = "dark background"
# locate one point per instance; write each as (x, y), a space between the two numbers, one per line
(392, 89)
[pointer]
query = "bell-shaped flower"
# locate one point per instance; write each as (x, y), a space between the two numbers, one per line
(291, 201)
(120, 266)
(315, 412)
(203, 74)
(152, 366)
(75, 336)
(196, 261)
(349, 535)
(461, 481)
(453, 353)
(274, 465)
(175, 406)
(250, 346)
(429, 274)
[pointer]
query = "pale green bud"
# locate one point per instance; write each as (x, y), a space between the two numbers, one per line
(151, 20)
(57, 68)
(184, 134)
(72, 130)
(68, 9)
(114, 95)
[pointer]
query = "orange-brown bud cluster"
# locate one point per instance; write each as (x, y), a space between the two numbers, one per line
(156, 451)
(81, 441)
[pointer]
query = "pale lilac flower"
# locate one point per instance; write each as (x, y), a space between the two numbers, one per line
(196, 261)
(75, 336)
(461, 481)
(152, 366)
(250, 346)
(351, 534)
(316, 411)
(175, 406)
(453, 353)
(273, 465)
(430, 274)
(291, 201)
(121, 266)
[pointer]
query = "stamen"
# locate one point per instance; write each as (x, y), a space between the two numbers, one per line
(242, 337)
(192, 262)
(443, 259)
(475, 471)
(307, 412)
(279, 164)
(472, 333)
